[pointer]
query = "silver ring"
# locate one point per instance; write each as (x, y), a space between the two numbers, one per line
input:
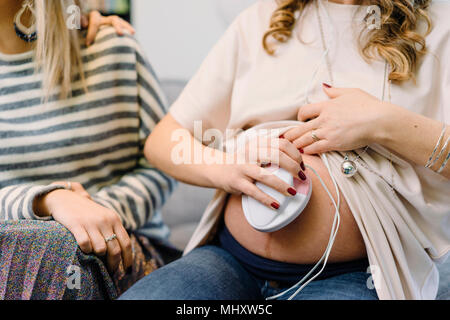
(314, 136)
(111, 238)
(69, 185)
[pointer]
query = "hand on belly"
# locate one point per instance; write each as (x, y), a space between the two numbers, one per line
(305, 239)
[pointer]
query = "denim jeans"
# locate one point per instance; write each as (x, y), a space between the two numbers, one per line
(211, 273)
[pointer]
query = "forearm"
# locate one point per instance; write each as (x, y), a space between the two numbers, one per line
(181, 159)
(411, 136)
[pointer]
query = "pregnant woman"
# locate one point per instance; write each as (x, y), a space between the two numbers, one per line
(73, 121)
(386, 83)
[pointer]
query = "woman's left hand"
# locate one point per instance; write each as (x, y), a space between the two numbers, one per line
(95, 20)
(348, 121)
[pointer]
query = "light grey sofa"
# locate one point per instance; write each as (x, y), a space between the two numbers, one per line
(183, 211)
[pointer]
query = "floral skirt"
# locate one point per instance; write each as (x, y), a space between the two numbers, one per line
(42, 261)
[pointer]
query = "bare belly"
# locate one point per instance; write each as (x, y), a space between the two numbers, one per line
(304, 240)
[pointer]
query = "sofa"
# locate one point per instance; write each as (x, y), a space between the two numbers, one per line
(184, 210)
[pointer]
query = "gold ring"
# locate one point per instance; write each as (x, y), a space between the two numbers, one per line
(314, 136)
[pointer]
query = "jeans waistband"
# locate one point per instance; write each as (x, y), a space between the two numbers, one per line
(272, 270)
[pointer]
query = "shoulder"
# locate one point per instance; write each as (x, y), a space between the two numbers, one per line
(108, 41)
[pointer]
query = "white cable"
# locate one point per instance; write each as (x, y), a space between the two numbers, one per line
(334, 229)
(333, 233)
(337, 217)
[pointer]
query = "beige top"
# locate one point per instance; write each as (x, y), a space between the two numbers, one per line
(239, 86)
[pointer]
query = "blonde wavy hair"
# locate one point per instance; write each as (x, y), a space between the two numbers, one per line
(398, 41)
(58, 48)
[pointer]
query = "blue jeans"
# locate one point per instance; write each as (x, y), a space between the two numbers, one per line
(211, 273)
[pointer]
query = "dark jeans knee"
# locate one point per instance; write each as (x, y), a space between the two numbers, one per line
(207, 273)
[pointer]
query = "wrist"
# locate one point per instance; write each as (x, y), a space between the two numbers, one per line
(213, 174)
(383, 126)
(45, 204)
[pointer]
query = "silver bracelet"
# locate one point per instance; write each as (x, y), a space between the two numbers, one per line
(430, 162)
(446, 158)
(442, 151)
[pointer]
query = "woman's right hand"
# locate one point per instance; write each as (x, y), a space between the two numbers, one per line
(90, 224)
(241, 178)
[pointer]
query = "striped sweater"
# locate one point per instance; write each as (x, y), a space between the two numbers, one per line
(95, 138)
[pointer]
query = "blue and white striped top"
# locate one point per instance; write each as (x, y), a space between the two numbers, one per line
(94, 138)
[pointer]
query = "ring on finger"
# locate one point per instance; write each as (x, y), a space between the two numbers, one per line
(314, 136)
(111, 238)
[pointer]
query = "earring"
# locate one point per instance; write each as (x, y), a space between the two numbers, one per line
(26, 34)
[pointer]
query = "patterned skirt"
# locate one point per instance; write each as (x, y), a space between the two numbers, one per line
(42, 261)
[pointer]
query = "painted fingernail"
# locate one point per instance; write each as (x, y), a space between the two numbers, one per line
(292, 191)
(282, 136)
(302, 165)
(302, 176)
(301, 150)
(326, 85)
(265, 165)
(275, 205)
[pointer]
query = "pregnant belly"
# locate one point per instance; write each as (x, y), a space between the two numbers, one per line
(304, 240)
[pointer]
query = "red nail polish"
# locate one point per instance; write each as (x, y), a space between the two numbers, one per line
(302, 176)
(292, 191)
(275, 205)
(265, 165)
(326, 85)
(301, 150)
(302, 165)
(282, 136)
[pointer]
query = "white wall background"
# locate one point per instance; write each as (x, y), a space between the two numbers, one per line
(178, 34)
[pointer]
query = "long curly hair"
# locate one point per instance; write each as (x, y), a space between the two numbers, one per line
(398, 40)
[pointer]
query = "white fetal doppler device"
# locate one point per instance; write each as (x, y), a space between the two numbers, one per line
(265, 219)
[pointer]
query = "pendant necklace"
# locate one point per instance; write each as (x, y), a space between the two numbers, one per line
(348, 166)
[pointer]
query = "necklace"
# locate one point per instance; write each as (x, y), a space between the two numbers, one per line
(348, 166)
